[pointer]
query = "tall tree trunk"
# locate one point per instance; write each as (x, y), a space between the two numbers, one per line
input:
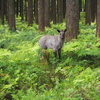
(30, 12)
(80, 7)
(60, 11)
(11, 15)
(47, 13)
(21, 10)
(2, 12)
(41, 15)
(36, 10)
(6, 9)
(64, 8)
(72, 19)
(88, 12)
(17, 7)
(93, 9)
(53, 11)
(98, 19)
(25, 10)
(0, 9)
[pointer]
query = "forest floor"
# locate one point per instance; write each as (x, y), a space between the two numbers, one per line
(24, 75)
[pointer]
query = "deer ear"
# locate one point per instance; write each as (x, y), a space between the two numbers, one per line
(58, 30)
(65, 30)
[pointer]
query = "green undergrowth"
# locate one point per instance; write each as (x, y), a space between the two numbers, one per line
(24, 75)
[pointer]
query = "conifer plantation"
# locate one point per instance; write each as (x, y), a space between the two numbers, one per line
(28, 72)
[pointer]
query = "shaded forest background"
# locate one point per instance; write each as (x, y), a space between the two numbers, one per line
(43, 12)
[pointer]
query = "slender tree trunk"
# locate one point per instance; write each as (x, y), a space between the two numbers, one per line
(21, 10)
(36, 10)
(25, 10)
(93, 9)
(60, 11)
(88, 12)
(80, 7)
(5, 7)
(41, 15)
(2, 12)
(47, 13)
(64, 8)
(53, 11)
(72, 19)
(11, 15)
(17, 7)
(30, 12)
(0, 9)
(98, 19)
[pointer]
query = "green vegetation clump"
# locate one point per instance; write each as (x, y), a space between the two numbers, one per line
(24, 75)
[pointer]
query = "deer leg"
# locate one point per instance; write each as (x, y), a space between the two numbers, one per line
(59, 53)
(55, 53)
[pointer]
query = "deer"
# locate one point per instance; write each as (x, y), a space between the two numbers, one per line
(53, 42)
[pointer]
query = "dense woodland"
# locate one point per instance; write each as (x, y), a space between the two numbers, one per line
(43, 12)
(28, 72)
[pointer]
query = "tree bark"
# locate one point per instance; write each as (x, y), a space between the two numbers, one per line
(53, 11)
(0, 9)
(47, 13)
(88, 12)
(21, 10)
(93, 9)
(11, 15)
(72, 19)
(6, 9)
(25, 10)
(60, 11)
(98, 19)
(64, 8)
(17, 8)
(80, 7)
(2, 12)
(36, 10)
(41, 15)
(30, 12)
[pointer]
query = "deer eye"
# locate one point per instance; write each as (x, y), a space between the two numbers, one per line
(60, 33)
